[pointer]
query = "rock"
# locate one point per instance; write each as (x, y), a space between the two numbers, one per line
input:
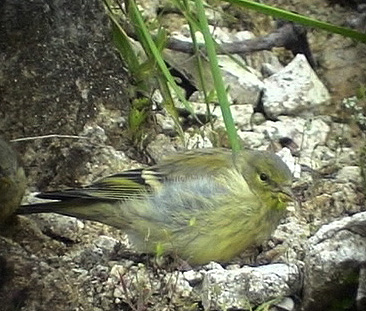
(27, 279)
(333, 264)
(160, 147)
(258, 118)
(139, 287)
(349, 174)
(242, 114)
(60, 74)
(106, 243)
(166, 124)
(308, 134)
(60, 68)
(289, 240)
(286, 304)
(79, 162)
(265, 62)
(248, 286)
(244, 86)
(196, 140)
(343, 69)
(58, 64)
(293, 90)
(286, 156)
(64, 227)
(269, 69)
(242, 35)
(361, 292)
(178, 284)
(193, 277)
(334, 196)
(252, 140)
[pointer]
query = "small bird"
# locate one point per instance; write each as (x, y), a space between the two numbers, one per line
(201, 205)
(12, 181)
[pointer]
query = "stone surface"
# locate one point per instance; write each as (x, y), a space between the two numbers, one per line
(293, 90)
(333, 261)
(248, 286)
(308, 134)
(59, 75)
(160, 147)
(243, 84)
(59, 64)
(242, 114)
(342, 67)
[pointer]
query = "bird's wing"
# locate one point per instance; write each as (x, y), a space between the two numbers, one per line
(121, 186)
(138, 183)
(193, 164)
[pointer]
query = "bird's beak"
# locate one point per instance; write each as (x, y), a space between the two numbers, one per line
(286, 194)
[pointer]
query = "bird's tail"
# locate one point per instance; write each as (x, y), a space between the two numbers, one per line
(104, 211)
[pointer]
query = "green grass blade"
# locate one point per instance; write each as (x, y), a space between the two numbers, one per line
(149, 45)
(294, 17)
(218, 81)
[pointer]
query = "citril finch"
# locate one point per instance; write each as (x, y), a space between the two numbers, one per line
(202, 205)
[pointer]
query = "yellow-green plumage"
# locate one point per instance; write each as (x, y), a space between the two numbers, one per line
(201, 205)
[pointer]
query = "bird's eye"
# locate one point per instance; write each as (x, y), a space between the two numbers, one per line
(263, 176)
